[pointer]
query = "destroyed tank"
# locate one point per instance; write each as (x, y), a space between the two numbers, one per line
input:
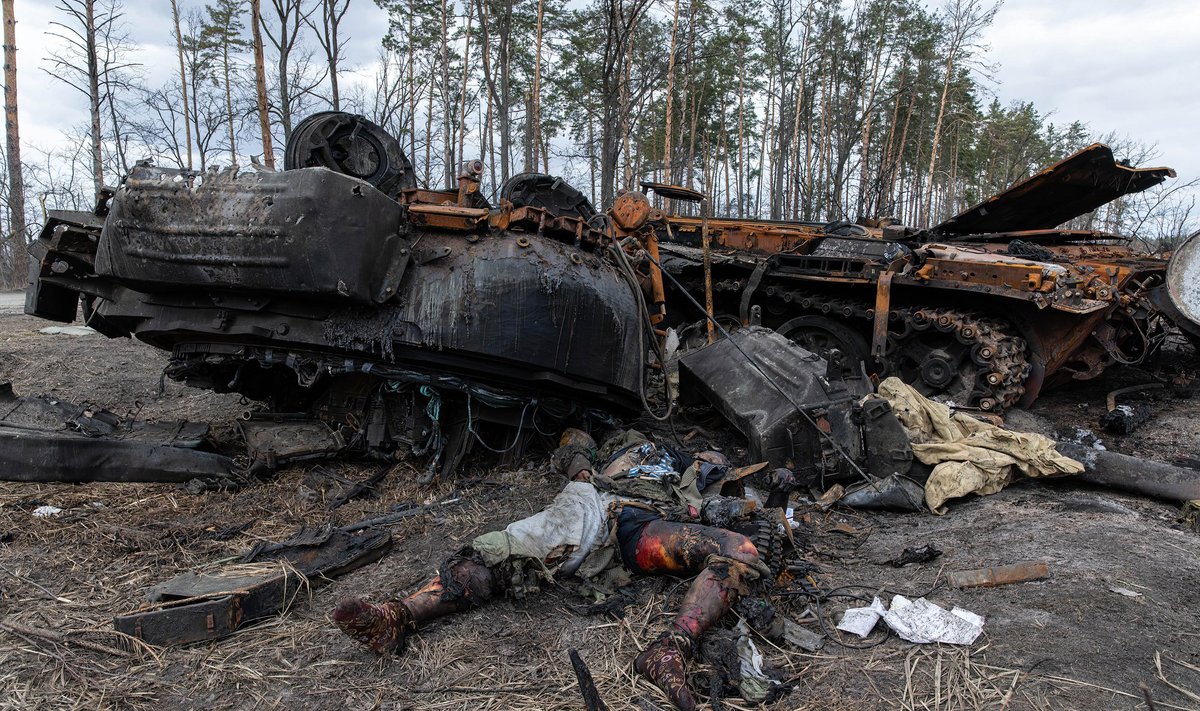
(984, 310)
(372, 317)
(368, 315)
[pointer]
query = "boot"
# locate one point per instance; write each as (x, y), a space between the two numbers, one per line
(663, 664)
(574, 453)
(384, 627)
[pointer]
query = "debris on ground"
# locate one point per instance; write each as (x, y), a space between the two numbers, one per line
(862, 620)
(969, 456)
(916, 554)
(67, 331)
(206, 606)
(1126, 592)
(918, 621)
(45, 439)
(1000, 575)
(1142, 476)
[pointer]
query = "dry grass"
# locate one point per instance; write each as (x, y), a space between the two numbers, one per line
(63, 579)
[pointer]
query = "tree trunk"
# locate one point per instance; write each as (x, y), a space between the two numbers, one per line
(741, 169)
(93, 71)
(183, 84)
(429, 136)
(462, 99)
(668, 173)
(413, 98)
(937, 137)
(447, 139)
(260, 85)
(536, 98)
(12, 132)
(229, 103)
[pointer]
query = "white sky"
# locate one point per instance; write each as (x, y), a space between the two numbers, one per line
(1117, 65)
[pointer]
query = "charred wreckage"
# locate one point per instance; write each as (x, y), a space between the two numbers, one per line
(372, 317)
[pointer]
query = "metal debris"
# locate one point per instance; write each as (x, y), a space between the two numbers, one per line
(1001, 575)
(46, 439)
(197, 607)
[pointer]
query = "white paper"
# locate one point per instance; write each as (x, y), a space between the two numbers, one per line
(861, 620)
(44, 511)
(923, 622)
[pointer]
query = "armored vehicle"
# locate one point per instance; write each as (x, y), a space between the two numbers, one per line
(984, 310)
(367, 314)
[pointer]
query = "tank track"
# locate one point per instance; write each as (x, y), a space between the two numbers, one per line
(993, 376)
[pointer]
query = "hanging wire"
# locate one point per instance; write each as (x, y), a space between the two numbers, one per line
(626, 270)
(749, 359)
(516, 438)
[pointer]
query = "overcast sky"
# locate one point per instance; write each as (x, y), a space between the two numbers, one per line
(1117, 65)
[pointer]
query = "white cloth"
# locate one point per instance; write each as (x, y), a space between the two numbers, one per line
(561, 535)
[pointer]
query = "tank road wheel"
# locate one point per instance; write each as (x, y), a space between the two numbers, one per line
(695, 334)
(820, 335)
(959, 357)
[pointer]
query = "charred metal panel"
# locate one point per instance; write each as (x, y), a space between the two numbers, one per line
(65, 248)
(273, 442)
(310, 233)
(765, 405)
(1073, 187)
(45, 439)
(548, 192)
(523, 314)
(197, 607)
(350, 144)
(32, 455)
(1183, 286)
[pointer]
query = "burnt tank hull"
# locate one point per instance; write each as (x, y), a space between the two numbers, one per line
(322, 274)
(983, 310)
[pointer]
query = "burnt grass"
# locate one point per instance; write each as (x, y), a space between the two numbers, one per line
(1067, 642)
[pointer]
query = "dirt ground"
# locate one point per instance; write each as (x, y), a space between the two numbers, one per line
(1068, 642)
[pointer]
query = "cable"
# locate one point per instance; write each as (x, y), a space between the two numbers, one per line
(516, 438)
(626, 270)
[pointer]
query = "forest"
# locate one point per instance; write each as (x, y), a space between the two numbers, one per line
(786, 109)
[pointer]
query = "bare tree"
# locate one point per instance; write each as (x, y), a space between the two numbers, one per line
(223, 32)
(95, 60)
(207, 111)
(620, 21)
(967, 20)
(80, 37)
(535, 100)
(329, 37)
(283, 34)
(260, 84)
(497, 73)
(183, 78)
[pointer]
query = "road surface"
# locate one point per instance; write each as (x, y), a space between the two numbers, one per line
(12, 302)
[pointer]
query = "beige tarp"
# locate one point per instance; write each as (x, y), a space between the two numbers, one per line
(969, 456)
